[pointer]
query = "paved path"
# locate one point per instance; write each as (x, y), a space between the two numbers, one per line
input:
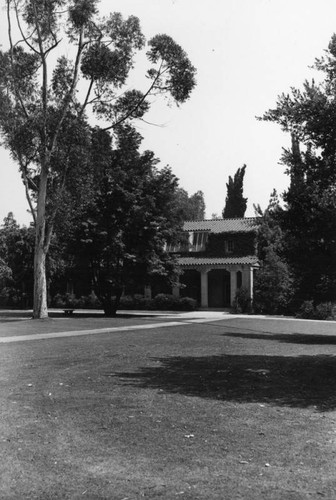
(183, 319)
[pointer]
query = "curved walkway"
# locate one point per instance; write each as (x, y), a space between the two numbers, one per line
(182, 319)
(147, 320)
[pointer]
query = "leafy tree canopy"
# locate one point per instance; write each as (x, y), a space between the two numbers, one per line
(309, 220)
(16, 258)
(273, 284)
(128, 213)
(190, 207)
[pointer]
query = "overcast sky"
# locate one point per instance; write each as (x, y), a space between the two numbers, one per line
(246, 53)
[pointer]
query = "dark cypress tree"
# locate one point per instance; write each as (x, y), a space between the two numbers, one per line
(235, 203)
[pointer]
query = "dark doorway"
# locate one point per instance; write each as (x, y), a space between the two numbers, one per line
(219, 288)
(191, 280)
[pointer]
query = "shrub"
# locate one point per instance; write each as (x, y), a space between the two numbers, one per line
(187, 304)
(138, 302)
(90, 301)
(11, 297)
(273, 286)
(323, 311)
(242, 301)
(69, 300)
(165, 302)
(161, 302)
(307, 310)
(58, 301)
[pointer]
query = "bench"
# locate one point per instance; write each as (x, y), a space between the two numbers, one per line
(68, 312)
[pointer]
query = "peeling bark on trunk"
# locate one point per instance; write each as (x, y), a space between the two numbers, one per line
(40, 285)
(41, 250)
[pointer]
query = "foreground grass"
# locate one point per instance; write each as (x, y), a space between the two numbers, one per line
(241, 409)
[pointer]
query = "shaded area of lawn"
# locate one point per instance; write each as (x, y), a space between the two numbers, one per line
(301, 381)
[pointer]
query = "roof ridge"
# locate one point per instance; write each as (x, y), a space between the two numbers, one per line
(221, 219)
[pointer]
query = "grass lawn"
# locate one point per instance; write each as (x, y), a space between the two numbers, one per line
(237, 409)
(17, 323)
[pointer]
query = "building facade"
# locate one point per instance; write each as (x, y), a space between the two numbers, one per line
(217, 257)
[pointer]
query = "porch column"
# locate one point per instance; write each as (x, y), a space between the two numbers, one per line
(251, 284)
(248, 280)
(204, 288)
(233, 286)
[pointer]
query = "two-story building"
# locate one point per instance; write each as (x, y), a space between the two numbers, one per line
(217, 258)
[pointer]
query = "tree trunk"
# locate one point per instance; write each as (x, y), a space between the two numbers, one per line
(41, 249)
(40, 284)
(111, 304)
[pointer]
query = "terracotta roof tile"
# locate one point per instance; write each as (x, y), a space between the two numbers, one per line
(243, 225)
(213, 261)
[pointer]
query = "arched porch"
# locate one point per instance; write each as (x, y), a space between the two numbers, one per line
(215, 286)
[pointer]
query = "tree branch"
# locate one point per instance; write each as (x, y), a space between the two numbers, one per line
(87, 97)
(17, 93)
(158, 76)
(68, 98)
(44, 84)
(25, 39)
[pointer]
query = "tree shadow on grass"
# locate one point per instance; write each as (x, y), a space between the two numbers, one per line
(290, 338)
(303, 381)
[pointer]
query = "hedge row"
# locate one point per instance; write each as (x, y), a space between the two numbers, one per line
(162, 302)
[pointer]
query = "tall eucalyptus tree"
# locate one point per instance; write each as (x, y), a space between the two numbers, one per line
(65, 64)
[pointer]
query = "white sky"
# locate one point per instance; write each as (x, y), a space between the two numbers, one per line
(246, 53)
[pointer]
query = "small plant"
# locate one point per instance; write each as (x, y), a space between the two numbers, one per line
(90, 301)
(242, 301)
(307, 310)
(165, 302)
(187, 304)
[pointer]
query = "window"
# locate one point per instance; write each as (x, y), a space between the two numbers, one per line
(229, 246)
(189, 242)
(198, 241)
(181, 245)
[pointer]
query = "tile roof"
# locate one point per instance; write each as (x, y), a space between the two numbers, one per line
(215, 261)
(243, 225)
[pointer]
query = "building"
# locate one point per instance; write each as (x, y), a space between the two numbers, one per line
(217, 258)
